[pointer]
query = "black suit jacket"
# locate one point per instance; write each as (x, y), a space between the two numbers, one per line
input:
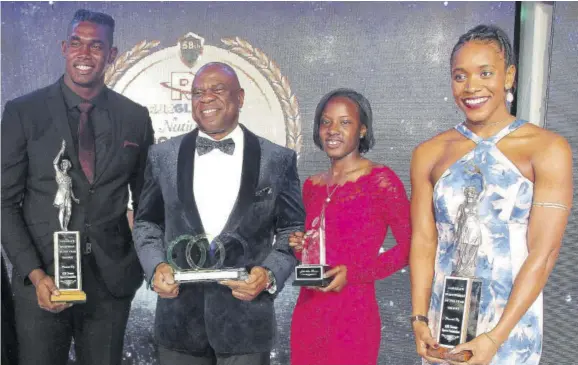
(206, 316)
(33, 127)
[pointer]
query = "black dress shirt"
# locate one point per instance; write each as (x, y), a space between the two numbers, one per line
(99, 119)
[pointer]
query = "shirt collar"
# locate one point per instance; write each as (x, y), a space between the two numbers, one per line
(72, 100)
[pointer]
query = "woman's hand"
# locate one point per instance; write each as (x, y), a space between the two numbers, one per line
(296, 241)
(339, 274)
(424, 340)
(483, 347)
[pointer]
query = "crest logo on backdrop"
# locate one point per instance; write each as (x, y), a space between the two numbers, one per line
(161, 79)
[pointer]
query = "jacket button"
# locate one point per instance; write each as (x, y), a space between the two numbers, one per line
(91, 191)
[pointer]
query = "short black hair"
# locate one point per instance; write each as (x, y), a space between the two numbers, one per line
(365, 116)
(83, 15)
(490, 34)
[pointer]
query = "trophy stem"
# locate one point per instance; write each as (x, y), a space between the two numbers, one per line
(322, 258)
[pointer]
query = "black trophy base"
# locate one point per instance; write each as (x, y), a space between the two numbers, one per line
(311, 275)
(207, 275)
(69, 296)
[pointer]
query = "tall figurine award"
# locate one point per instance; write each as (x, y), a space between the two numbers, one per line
(460, 304)
(67, 260)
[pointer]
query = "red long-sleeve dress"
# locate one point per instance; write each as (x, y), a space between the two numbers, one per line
(345, 328)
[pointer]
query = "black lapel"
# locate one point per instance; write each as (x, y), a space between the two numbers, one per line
(57, 108)
(249, 180)
(185, 173)
(115, 114)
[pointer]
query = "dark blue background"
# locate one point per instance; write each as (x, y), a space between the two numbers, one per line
(395, 53)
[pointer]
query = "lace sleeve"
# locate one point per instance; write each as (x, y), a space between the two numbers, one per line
(397, 217)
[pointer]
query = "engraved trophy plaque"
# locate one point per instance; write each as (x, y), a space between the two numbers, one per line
(67, 257)
(201, 258)
(311, 271)
(462, 291)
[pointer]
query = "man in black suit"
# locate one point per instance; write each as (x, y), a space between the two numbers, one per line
(222, 181)
(105, 138)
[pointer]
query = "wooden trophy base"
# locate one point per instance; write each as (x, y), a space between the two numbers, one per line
(443, 353)
(69, 296)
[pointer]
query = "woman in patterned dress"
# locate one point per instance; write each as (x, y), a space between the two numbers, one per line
(521, 176)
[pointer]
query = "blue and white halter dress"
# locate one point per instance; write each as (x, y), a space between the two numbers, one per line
(482, 204)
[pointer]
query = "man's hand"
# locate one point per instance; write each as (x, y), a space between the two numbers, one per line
(164, 282)
(45, 287)
(249, 289)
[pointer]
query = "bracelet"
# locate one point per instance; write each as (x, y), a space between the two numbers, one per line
(491, 339)
(551, 205)
(420, 318)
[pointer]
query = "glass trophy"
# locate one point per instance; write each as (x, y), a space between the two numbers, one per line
(201, 258)
(311, 271)
(67, 255)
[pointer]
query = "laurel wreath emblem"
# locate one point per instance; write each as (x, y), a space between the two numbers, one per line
(253, 55)
(280, 84)
(126, 60)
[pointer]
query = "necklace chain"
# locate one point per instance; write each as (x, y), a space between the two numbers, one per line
(330, 194)
(328, 199)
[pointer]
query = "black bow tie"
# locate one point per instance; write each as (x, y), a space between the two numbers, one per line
(205, 145)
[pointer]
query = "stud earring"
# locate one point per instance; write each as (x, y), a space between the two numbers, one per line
(509, 97)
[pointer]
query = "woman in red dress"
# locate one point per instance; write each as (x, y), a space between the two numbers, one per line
(357, 200)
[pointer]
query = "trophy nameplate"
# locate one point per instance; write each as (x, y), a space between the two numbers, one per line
(311, 275)
(311, 272)
(202, 259)
(67, 268)
(67, 255)
(459, 313)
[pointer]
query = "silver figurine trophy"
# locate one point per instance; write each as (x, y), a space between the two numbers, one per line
(462, 292)
(67, 259)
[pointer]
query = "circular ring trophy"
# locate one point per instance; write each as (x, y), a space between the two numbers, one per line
(200, 258)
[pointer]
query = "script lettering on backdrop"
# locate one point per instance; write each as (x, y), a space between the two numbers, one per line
(161, 79)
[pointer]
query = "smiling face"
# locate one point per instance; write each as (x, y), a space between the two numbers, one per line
(216, 99)
(87, 52)
(340, 128)
(480, 80)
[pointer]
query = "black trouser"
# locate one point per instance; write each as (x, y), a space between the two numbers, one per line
(9, 344)
(169, 357)
(97, 326)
